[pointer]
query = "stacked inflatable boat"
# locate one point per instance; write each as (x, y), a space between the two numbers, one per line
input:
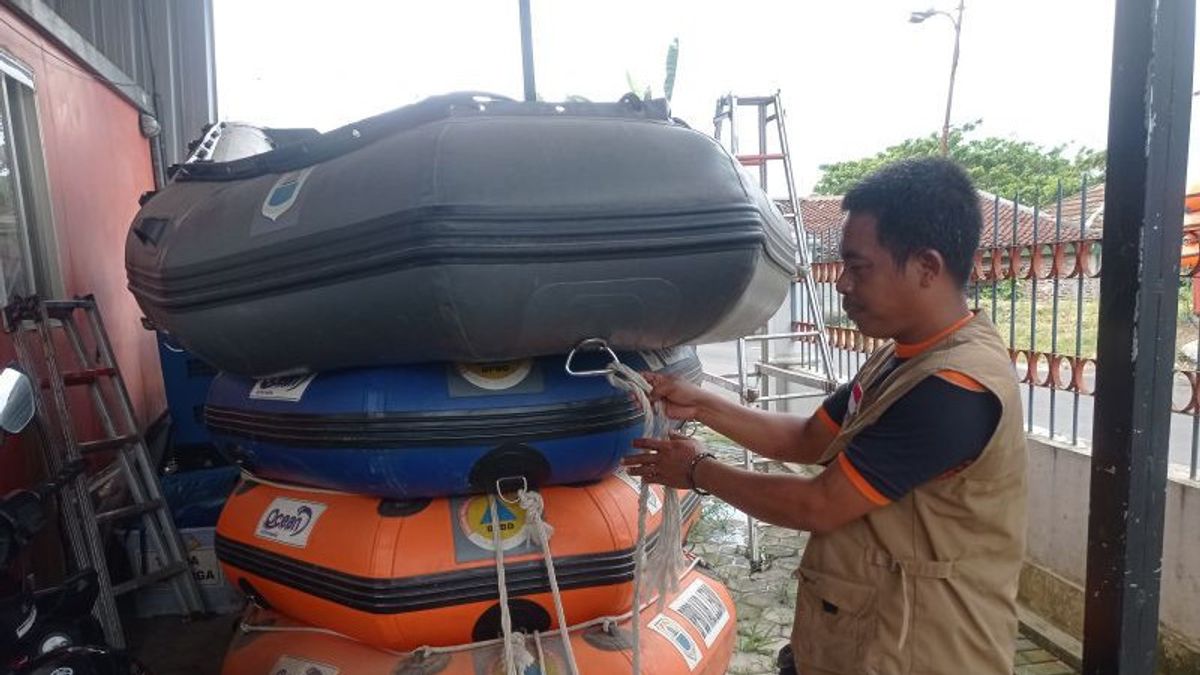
(394, 306)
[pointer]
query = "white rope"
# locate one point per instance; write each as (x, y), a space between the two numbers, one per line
(533, 505)
(516, 656)
(541, 655)
(664, 564)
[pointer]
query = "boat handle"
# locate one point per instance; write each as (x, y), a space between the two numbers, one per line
(595, 344)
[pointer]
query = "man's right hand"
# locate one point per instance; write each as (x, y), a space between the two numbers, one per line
(684, 400)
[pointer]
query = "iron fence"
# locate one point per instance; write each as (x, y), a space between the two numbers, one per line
(1037, 277)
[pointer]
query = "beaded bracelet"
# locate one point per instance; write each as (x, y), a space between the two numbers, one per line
(691, 474)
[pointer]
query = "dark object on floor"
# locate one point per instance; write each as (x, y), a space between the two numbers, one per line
(785, 662)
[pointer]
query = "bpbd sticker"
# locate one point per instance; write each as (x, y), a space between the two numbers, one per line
(289, 521)
(473, 529)
(475, 519)
(496, 376)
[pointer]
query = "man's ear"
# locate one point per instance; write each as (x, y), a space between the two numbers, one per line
(929, 266)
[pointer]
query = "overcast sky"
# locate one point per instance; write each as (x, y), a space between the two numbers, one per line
(855, 75)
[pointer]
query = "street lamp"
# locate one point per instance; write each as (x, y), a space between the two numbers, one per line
(956, 19)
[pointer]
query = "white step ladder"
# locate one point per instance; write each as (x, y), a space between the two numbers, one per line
(803, 296)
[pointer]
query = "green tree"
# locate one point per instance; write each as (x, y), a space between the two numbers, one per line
(672, 64)
(1003, 166)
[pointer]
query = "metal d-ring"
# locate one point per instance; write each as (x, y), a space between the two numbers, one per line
(500, 488)
(595, 344)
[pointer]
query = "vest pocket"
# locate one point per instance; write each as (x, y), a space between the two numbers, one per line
(835, 621)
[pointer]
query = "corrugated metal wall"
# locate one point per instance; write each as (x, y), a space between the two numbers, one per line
(166, 47)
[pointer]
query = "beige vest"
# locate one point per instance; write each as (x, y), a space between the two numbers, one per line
(927, 584)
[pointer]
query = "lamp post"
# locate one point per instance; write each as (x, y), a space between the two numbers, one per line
(956, 19)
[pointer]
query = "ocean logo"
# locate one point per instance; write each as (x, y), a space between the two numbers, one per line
(289, 521)
(283, 194)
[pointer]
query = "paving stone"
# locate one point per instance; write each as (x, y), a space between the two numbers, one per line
(747, 613)
(780, 616)
(751, 664)
(760, 600)
(1053, 668)
(1038, 656)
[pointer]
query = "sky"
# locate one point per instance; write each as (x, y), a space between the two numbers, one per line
(855, 75)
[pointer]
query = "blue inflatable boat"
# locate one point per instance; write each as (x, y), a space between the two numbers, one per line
(435, 429)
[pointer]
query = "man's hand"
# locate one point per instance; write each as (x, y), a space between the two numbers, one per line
(667, 462)
(684, 400)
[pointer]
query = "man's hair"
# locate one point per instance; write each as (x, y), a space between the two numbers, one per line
(920, 204)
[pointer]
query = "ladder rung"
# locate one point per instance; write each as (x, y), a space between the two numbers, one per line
(115, 443)
(88, 376)
(65, 306)
(755, 160)
(131, 510)
(151, 578)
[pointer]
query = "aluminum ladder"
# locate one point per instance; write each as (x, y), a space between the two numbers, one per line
(120, 460)
(803, 299)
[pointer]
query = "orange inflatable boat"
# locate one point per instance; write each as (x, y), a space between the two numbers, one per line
(402, 574)
(693, 635)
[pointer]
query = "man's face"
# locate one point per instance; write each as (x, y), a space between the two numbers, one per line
(877, 293)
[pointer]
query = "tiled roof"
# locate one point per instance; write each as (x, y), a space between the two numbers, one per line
(1073, 212)
(823, 217)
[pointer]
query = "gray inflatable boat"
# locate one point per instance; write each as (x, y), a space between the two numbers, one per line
(461, 228)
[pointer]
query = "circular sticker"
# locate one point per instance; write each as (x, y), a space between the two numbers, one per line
(496, 376)
(475, 519)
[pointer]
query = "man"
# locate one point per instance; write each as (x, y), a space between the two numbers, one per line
(918, 519)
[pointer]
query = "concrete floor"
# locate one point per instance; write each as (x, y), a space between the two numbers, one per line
(170, 646)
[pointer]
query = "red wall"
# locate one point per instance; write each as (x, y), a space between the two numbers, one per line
(97, 164)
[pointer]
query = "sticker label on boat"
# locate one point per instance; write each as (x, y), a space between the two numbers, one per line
(203, 558)
(496, 376)
(290, 388)
(702, 608)
(678, 637)
(289, 521)
(657, 359)
(290, 665)
(653, 502)
(283, 194)
(474, 529)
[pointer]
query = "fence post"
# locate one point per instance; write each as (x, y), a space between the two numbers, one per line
(1149, 110)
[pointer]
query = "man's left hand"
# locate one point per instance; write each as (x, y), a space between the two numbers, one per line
(667, 461)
